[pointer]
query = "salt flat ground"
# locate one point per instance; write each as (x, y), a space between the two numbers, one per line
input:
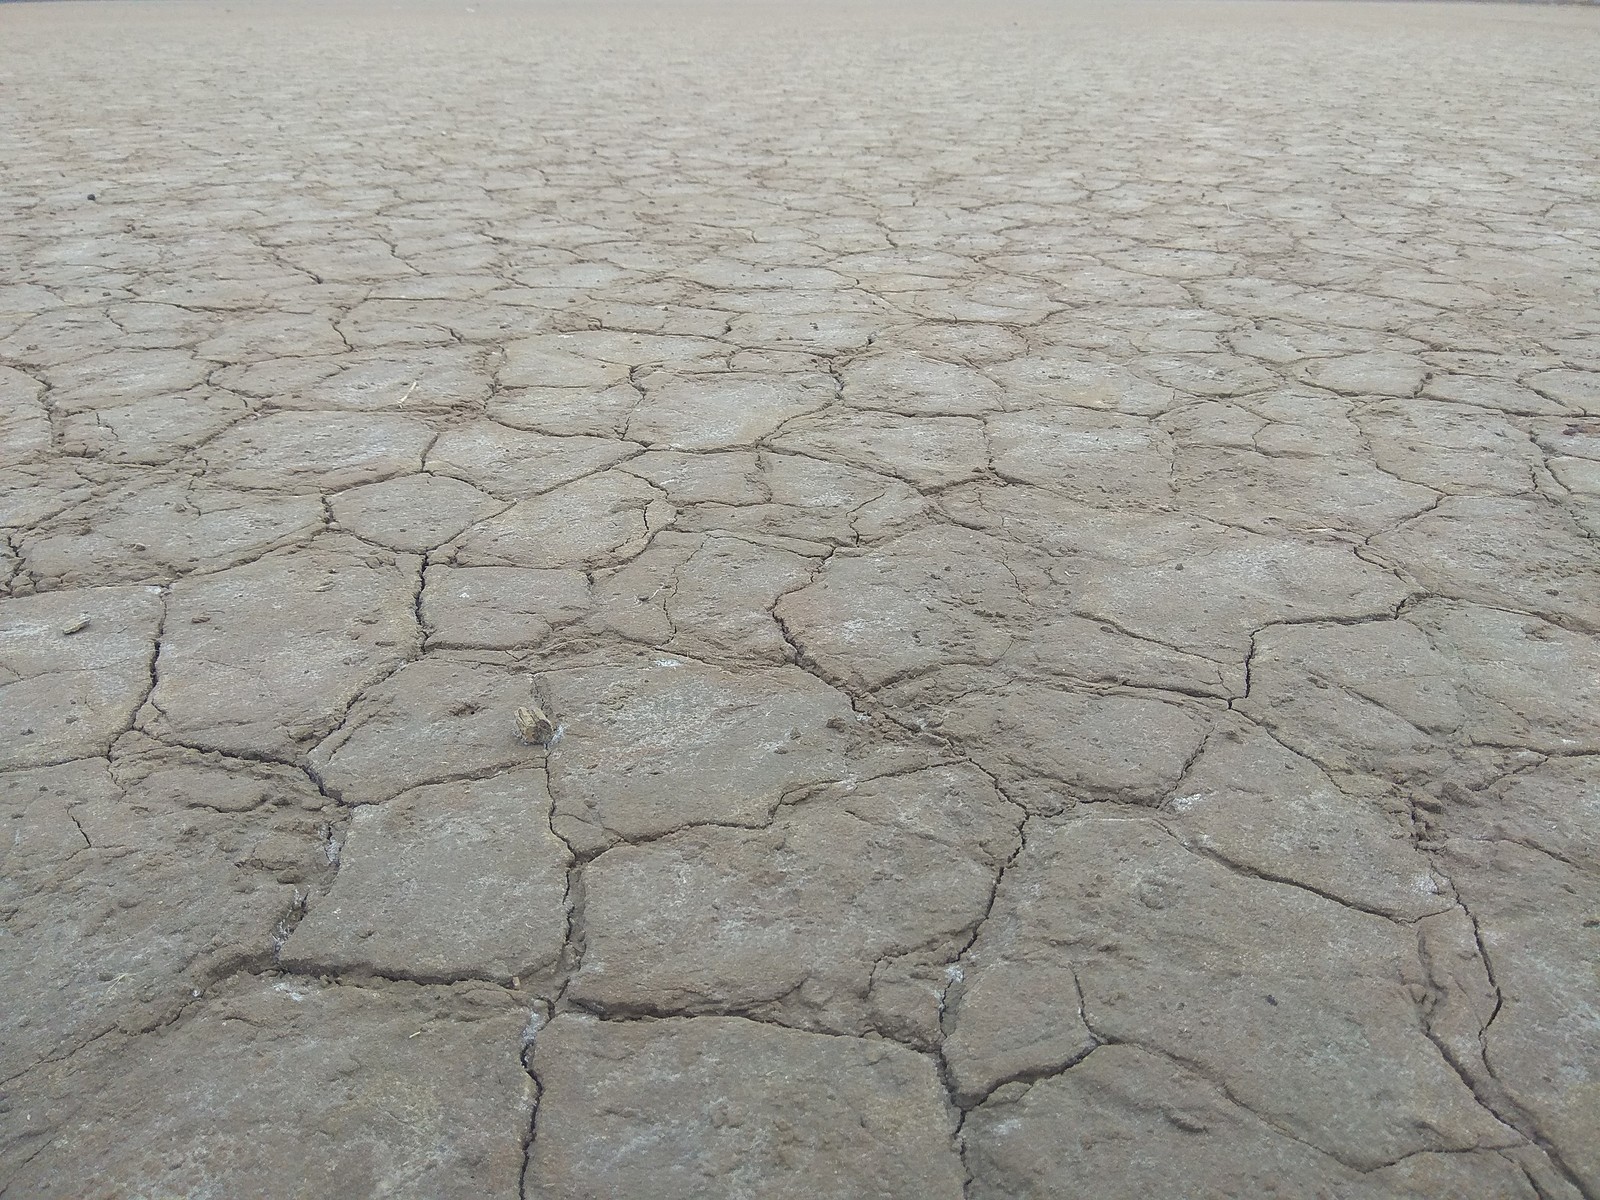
(1056, 543)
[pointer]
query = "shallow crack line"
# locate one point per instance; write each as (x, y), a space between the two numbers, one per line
(1030, 1076)
(630, 1014)
(87, 844)
(1331, 770)
(1221, 1085)
(1539, 1189)
(1213, 855)
(196, 997)
(1498, 1101)
(64, 1055)
(1113, 623)
(252, 756)
(1535, 848)
(1505, 1110)
(37, 1150)
(953, 972)
(796, 796)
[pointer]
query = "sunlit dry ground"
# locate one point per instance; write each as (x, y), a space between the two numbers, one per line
(1056, 546)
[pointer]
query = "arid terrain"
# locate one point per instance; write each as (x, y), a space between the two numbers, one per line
(661, 601)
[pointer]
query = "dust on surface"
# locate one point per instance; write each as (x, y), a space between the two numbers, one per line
(763, 600)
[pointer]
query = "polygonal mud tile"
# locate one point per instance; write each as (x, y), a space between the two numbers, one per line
(264, 658)
(928, 598)
(451, 881)
(499, 608)
(1249, 800)
(718, 1107)
(1054, 746)
(1252, 983)
(316, 451)
(283, 1086)
(161, 527)
(592, 522)
(123, 900)
(430, 721)
(926, 452)
(1096, 458)
(1125, 1122)
(1518, 554)
(414, 512)
(792, 918)
(645, 750)
(1537, 925)
(715, 412)
(74, 667)
(515, 464)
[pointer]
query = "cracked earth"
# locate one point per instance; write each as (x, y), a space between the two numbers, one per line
(1049, 557)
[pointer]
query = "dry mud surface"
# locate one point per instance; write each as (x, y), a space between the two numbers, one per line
(1058, 546)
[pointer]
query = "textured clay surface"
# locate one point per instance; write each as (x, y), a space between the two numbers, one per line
(878, 601)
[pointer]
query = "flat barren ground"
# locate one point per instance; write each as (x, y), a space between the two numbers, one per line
(784, 601)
